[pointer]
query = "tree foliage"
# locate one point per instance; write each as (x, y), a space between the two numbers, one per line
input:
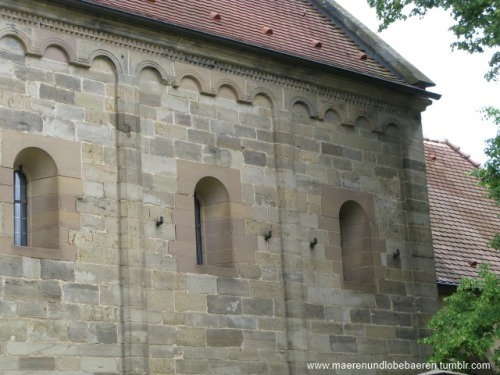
(477, 23)
(489, 175)
(470, 322)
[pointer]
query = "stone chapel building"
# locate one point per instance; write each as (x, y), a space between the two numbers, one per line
(208, 187)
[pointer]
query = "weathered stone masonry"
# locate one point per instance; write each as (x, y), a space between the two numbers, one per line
(135, 122)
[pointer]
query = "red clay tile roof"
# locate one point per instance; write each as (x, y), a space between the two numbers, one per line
(295, 25)
(463, 219)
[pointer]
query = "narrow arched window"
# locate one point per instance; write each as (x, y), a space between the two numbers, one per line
(213, 228)
(198, 230)
(20, 208)
(356, 246)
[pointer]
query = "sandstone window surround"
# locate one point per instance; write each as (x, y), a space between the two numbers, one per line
(213, 226)
(354, 244)
(39, 214)
(215, 242)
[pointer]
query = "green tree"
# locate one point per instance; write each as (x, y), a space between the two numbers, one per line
(489, 175)
(477, 23)
(470, 323)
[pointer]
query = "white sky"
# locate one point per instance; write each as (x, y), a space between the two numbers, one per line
(459, 76)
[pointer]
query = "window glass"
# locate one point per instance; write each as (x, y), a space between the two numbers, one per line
(20, 209)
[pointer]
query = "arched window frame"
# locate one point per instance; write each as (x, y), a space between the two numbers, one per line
(244, 246)
(332, 200)
(20, 208)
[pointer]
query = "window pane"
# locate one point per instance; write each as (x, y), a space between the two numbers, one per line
(20, 209)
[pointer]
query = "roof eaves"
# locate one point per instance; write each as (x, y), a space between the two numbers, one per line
(374, 45)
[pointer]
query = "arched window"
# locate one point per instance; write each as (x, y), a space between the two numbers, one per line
(213, 223)
(36, 168)
(198, 230)
(20, 208)
(356, 244)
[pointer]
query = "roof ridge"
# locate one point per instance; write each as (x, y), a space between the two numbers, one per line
(456, 148)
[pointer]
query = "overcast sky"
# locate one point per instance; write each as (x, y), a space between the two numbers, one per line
(459, 76)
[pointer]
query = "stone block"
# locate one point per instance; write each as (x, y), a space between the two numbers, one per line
(31, 268)
(318, 343)
(175, 103)
(224, 337)
(149, 99)
(93, 87)
(327, 328)
(202, 284)
(205, 353)
(106, 333)
(265, 290)
(32, 290)
(224, 305)
(351, 153)
(81, 293)
(13, 328)
(57, 94)
(188, 366)
(255, 158)
(354, 330)
(98, 365)
(11, 266)
(190, 302)
(228, 142)
(68, 82)
(191, 336)
(313, 311)
(404, 333)
(78, 331)
(188, 151)
(383, 301)
(372, 346)
(161, 366)
(337, 314)
(32, 309)
(37, 363)
(20, 120)
(399, 347)
(343, 344)
(259, 339)
(201, 137)
(57, 270)
(162, 335)
(331, 149)
(392, 287)
(233, 287)
(244, 132)
(378, 332)
(48, 330)
(202, 109)
(391, 318)
(403, 304)
(242, 322)
(360, 316)
(182, 119)
(160, 300)
(257, 306)
(205, 320)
